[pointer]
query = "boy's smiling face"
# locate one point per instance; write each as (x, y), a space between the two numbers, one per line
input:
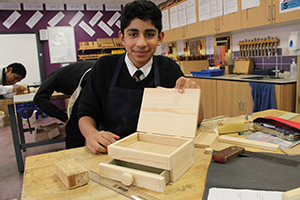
(141, 39)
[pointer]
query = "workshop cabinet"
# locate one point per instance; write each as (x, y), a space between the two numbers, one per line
(233, 98)
(267, 13)
(208, 96)
(284, 17)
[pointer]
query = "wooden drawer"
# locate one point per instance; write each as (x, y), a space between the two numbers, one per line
(135, 174)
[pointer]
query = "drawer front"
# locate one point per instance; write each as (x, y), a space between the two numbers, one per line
(130, 174)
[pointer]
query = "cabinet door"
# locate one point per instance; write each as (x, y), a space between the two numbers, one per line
(285, 97)
(283, 17)
(233, 98)
(257, 16)
(208, 96)
(232, 21)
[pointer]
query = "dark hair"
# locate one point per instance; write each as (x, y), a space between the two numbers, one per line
(18, 68)
(142, 9)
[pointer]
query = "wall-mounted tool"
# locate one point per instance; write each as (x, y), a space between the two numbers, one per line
(258, 47)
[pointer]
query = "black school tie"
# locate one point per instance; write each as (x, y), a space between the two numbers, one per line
(136, 75)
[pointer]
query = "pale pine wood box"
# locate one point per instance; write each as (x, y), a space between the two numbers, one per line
(164, 140)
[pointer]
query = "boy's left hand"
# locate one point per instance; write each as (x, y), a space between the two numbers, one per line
(183, 82)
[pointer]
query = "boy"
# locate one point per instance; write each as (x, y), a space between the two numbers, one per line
(65, 80)
(9, 76)
(112, 98)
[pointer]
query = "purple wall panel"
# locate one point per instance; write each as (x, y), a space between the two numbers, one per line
(80, 34)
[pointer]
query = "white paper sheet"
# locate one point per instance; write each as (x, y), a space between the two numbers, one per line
(216, 8)
(113, 19)
(86, 28)
(72, 6)
(11, 19)
(230, 6)
(56, 19)
(209, 46)
(174, 17)
(105, 28)
(96, 18)
(191, 11)
(76, 18)
(204, 10)
(182, 14)
(34, 19)
(165, 20)
(55, 6)
(242, 194)
(250, 4)
(94, 6)
(180, 50)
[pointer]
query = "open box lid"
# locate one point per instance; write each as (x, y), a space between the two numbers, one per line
(168, 112)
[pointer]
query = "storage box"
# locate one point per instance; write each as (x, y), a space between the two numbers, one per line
(163, 143)
(208, 73)
(243, 66)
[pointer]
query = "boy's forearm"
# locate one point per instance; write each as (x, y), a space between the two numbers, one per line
(87, 126)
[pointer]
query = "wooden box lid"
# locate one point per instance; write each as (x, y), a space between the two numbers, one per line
(168, 112)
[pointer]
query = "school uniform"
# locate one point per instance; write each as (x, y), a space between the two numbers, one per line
(64, 80)
(4, 89)
(113, 98)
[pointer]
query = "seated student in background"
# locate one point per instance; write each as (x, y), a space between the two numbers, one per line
(9, 76)
(110, 103)
(65, 80)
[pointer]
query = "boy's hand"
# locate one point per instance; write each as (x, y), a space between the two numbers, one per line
(19, 89)
(183, 82)
(98, 142)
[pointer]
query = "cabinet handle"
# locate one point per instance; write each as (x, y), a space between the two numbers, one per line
(215, 24)
(240, 104)
(218, 24)
(269, 13)
(273, 12)
(243, 106)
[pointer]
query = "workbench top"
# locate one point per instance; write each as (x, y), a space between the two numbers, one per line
(249, 78)
(41, 181)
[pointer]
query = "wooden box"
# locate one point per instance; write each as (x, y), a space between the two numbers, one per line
(164, 141)
(243, 66)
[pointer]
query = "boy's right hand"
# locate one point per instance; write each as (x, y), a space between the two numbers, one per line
(19, 89)
(98, 142)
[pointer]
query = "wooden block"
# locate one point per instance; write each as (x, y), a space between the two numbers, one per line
(205, 139)
(291, 152)
(233, 127)
(291, 194)
(248, 143)
(71, 173)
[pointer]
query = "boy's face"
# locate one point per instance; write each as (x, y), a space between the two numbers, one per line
(12, 78)
(140, 39)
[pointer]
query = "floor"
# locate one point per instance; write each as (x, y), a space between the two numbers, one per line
(10, 179)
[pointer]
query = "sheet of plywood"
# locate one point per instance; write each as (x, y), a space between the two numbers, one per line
(168, 112)
(248, 143)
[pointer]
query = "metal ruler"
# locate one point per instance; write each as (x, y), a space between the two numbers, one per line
(119, 187)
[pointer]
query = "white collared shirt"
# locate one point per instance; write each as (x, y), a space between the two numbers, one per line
(132, 69)
(7, 88)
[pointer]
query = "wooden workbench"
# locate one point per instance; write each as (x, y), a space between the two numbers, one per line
(41, 181)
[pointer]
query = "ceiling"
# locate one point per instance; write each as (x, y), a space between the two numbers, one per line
(77, 1)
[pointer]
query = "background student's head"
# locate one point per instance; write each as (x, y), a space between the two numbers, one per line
(143, 10)
(15, 72)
